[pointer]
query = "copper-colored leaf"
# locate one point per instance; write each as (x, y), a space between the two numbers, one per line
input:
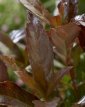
(68, 9)
(60, 48)
(52, 103)
(40, 50)
(56, 78)
(12, 90)
(36, 8)
(63, 37)
(3, 72)
(69, 32)
(55, 21)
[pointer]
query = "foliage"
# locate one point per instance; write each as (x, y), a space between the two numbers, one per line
(49, 41)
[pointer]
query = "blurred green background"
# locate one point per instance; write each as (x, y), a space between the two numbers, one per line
(13, 15)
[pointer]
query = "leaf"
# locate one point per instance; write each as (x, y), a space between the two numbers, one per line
(3, 72)
(12, 90)
(55, 21)
(17, 35)
(36, 8)
(63, 37)
(68, 9)
(80, 20)
(13, 47)
(40, 51)
(56, 78)
(22, 74)
(58, 43)
(52, 103)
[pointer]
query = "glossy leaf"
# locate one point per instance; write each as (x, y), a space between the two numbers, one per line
(12, 90)
(40, 51)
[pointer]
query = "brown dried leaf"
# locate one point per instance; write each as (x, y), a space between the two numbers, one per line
(12, 90)
(40, 51)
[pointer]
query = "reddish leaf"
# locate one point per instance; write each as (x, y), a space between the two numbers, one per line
(12, 90)
(68, 9)
(3, 72)
(63, 37)
(40, 51)
(55, 21)
(60, 48)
